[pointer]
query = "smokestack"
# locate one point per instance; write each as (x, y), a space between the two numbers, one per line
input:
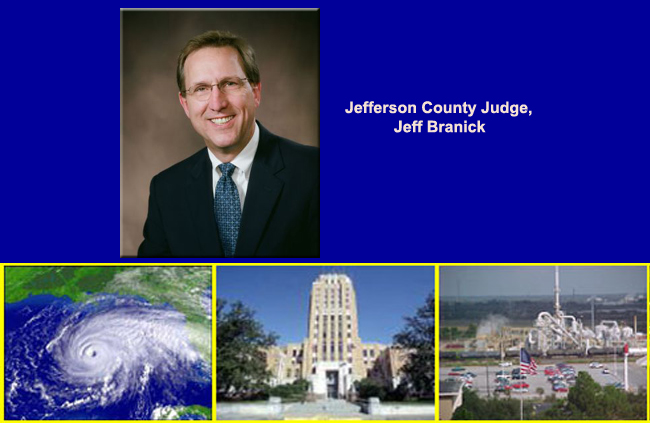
(593, 325)
(556, 291)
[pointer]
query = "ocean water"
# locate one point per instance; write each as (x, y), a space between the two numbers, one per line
(113, 357)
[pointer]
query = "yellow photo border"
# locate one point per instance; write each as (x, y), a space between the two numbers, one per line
(214, 268)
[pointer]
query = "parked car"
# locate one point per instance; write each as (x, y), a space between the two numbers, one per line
(520, 385)
(550, 370)
(560, 387)
(505, 364)
(618, 385)
(458, 369)
(516, 374)
(503, 387)
(500, 388)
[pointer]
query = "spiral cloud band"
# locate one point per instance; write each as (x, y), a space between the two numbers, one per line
(107, 351)
(118, 340)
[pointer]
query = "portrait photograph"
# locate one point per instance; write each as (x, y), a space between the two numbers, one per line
(219, 146)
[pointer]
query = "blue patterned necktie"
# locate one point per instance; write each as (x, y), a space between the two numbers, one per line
(227, 210)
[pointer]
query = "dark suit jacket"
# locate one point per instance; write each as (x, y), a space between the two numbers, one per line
(281, 216)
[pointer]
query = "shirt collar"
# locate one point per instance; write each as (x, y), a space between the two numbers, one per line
(244, 160)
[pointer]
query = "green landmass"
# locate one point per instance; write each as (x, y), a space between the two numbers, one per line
(71, 281)
(181, 287)
(197, 410)
(177, 412)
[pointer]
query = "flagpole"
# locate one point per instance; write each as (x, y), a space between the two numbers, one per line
(521, 391)
(531, 369)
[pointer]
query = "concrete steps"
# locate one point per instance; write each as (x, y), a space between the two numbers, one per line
(323, 409)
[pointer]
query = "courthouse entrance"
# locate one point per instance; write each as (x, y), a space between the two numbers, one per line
(332, 384)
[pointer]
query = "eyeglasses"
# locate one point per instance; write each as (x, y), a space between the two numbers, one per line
(231, 85)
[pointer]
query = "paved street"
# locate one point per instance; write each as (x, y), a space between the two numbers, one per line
(637, 376)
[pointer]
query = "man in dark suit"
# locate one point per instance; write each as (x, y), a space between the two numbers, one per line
(250, 193)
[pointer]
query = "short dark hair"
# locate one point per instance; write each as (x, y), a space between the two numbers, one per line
(219, 39)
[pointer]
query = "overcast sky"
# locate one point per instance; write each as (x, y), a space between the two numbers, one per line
(540, 280)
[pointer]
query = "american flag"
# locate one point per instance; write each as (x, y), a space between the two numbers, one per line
(528, 365)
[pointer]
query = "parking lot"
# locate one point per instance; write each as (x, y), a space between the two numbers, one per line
(637, 376)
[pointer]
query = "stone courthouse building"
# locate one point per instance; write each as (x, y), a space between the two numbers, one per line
(333, 357)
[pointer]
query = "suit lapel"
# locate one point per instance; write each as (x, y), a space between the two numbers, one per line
(264, 189)
(199, 197)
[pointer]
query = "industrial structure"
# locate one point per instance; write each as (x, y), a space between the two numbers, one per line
(557, 331)
(552, 333)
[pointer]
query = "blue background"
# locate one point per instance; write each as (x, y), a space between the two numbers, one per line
(568, 183)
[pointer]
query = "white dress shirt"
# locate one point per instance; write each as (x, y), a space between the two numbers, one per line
(243, 164)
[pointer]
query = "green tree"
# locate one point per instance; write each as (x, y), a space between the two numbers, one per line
(418, 337)
(368, 387)
(471, 331)
(296, 391)
(476, 408)
(584, 396)
(445, 333)
(472, 408)
(454, 333)
(589, 400)
(241, 361)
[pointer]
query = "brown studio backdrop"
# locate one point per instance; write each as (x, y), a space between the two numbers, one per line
(155, 131)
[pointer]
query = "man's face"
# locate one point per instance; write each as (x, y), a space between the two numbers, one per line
(235, 111)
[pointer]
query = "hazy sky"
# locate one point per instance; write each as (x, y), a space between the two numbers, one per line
(540, 280)
(280, 296)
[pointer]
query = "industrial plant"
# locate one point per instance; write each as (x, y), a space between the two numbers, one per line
(552, 333)
(483, 334)
(560, 333)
